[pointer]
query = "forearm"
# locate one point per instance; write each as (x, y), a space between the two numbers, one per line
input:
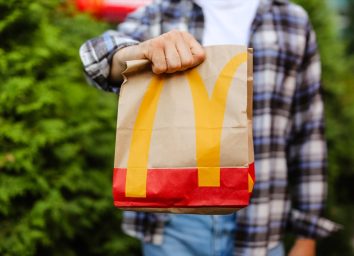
(97, 53)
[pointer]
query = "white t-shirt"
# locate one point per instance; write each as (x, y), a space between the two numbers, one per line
(227, 21)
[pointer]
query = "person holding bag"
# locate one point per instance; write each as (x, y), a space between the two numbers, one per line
(288, 129)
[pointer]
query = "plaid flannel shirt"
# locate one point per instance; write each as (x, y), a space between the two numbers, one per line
(290, 149)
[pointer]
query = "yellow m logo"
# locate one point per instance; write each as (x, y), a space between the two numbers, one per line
(209, 117)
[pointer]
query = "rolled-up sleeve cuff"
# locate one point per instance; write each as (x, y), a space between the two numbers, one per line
(97, 68)
(102, 84)
(308, 225)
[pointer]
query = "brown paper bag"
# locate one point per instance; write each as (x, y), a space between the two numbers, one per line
(184, 140)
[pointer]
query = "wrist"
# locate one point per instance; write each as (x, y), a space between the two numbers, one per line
(308, 243)
(303, 247)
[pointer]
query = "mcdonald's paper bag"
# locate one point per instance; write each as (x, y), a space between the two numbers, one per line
(184, 140)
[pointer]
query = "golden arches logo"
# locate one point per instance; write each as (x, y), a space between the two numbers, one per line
(209, 118)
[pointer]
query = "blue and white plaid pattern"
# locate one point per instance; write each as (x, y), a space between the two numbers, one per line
(290, 148)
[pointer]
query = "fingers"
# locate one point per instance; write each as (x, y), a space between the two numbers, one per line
(196, 49)
(173, 51)
(158, 60)
(185, 54)
(173, 58)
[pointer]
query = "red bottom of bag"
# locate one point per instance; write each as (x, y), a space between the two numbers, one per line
(179, 188)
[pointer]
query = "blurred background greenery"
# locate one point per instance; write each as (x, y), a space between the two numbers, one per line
(57, 133)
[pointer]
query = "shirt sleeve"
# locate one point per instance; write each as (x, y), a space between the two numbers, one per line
(307, 151)
(96, 54)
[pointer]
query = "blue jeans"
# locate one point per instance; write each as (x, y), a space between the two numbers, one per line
(200, 235)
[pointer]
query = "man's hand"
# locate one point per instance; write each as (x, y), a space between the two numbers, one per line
(303, 247)
(171, 52)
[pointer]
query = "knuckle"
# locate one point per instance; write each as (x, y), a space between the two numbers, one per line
(169, 34)
(164, 36)
(156, 70)
(157, 43)
(175, 66)
(159, 69)
(179, 33)
(185, 33)
(200, 56)
(174, 34)
(188, 62)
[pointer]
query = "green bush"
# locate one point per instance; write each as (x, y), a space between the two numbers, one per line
(56, 137)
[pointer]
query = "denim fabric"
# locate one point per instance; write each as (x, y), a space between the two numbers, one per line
(200, 235)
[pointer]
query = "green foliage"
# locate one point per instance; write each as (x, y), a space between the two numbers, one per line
(56, 137)
(349, 33)
(339, 103)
